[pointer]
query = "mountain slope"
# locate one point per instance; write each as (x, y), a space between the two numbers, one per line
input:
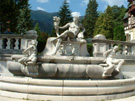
(44, 19)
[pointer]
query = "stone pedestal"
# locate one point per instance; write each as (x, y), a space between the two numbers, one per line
(74, 47)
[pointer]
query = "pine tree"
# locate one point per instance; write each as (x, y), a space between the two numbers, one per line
(119, 33)
(99, 24)
(90, 18)
(42, 38)
(24, 22)
(107, 26)
(118, 23)
(118, 13)
(37, 28)
(6, 10)
(65, 14)
(9, 12)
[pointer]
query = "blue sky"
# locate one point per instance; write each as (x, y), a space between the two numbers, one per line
(77, 7)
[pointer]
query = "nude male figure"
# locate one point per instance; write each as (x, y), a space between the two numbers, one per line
(72, 32)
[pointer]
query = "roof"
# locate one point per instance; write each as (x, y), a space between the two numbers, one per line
(126, 16)
(129, 0)
(131, 4)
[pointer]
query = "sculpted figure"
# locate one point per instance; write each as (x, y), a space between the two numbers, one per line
(30, 54)
(72, 32)
(56, 24)
(111, 63)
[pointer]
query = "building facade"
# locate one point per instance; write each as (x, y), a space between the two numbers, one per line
(129, 21)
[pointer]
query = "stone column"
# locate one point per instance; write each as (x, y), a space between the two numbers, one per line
(8, 43)
(0, 43)
(17, 44)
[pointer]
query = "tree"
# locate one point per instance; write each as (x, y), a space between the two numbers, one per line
(119, 33)
(6, 10)
(99, 24)
(90, 18)
(24, 22)
(42, 38)
(37, 28)
(65, 14)
(108, 23)
(118, 23)
(118, 13)
(9, 12)
(104, 24)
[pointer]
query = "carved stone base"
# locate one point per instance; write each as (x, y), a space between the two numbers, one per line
(75, 47)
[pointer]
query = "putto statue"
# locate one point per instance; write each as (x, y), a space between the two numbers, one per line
(56, 24)
(72, 32)
(111, 62)
(30, 54)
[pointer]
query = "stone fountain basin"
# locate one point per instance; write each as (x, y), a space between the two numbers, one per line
(66, 90)
(61, 67)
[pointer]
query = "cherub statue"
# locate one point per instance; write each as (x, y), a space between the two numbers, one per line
(111, 63)
(56, 23)
(30, 54)
(72, 32)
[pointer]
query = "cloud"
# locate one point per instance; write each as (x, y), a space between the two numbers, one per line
(75, 14)
(115, 2)
(85, 1)
(42, 1)
(68, 1)
(39, 8)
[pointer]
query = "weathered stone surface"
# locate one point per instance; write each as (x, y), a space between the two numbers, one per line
(66, 90)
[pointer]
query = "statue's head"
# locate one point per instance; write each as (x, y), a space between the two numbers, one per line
(115, 48)
(56, 19)
(34, 42)
(76, 19)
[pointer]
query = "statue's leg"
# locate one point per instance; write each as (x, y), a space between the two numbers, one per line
(108, 70)
(62, 35)
(22, 60)
(120, 62)
(57, 45)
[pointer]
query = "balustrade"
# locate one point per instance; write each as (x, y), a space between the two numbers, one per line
(9, 43)
(126, 48)
(15, 43)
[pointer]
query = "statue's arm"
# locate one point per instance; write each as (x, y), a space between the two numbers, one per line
(27, 49)
(80, 35)
(105, 54)
(64, 27)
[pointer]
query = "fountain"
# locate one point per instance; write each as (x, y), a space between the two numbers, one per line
(64, 71)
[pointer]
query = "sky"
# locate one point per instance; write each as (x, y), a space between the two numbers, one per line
(77, 7)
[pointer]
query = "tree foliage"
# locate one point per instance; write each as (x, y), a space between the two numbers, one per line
(9, 12)
(119, 33)
(42, 38)
(24, 22)
(104, 24)
(118, 23)
(99, 24)
(65, 13)
(90, 18)
(110, 23)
